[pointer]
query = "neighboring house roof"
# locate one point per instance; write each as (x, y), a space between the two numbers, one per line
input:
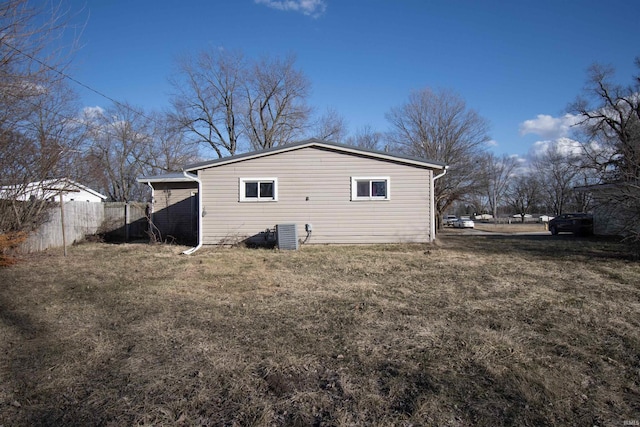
(609, 186)
(47, 189)
(319, 144)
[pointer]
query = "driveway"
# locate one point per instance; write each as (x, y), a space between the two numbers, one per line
(475, 232)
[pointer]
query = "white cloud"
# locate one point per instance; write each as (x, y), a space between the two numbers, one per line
(90, 115)
(93, 112)
(549, 127)
(492, 143)
(313, 8)
(565, 146)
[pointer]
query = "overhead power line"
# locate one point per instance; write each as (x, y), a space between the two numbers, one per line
(76, 81)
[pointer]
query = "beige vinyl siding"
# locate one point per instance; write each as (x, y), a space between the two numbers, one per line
(324, 177)
(173, 210)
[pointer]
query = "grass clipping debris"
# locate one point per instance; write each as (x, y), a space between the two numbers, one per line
(484, 331)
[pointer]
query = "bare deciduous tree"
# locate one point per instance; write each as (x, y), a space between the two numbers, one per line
(437, 125)
(496, 175)
(610, 116)
(225, 100)
(37, 137)
(524, 194)
(208, 102)
(276, 113)
(169, 150)
(479, 202)
(610, 129)
(331, 126)
(126, 143)
(367, 138)
(557, 170)
(58, 132)
(119, 150)
(560, 169)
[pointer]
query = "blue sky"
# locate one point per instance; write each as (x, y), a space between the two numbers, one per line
(518, 63)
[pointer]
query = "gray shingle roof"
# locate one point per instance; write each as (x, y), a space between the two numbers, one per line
(382, 155)
(317, 143)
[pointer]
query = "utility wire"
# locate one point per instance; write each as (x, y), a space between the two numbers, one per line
(76, 81)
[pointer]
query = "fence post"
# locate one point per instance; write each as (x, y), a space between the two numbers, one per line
(127, 220)
(64, 236)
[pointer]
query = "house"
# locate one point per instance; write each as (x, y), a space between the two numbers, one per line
(615, 208)
(51, 189)
(332, 193)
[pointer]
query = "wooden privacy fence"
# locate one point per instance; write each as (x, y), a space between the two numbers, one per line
(124, 221)
(113, 221)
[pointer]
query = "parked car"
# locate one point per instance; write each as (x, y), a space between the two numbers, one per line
(576, 223)
(463, 223)
(450, 219)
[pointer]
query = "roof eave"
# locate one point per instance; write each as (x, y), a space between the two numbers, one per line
(317, 143)
(163, 178)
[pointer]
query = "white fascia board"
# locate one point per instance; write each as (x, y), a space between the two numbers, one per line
(160, 179)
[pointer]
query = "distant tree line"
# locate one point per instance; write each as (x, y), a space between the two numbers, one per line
(598, 168)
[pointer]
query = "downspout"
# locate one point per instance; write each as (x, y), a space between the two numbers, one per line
(199, 245)
(153, 199)
(433, 205)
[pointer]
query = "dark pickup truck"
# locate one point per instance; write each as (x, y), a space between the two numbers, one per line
(576, 223)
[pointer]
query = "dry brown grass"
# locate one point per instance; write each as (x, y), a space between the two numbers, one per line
(497, 330)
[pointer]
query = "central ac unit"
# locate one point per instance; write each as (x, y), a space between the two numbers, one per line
(287, 235)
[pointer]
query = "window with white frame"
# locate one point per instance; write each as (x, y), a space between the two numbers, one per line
(370, 188)
(258, 189)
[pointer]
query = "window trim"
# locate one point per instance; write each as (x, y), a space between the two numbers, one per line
(242, 190)
(354, 188)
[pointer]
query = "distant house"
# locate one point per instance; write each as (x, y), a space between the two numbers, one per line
(331, 193)
(51, 189)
